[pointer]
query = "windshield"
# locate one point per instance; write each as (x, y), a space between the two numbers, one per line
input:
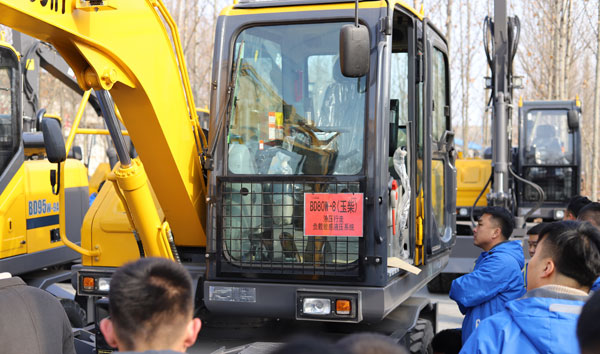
(548, 141)
(293, 112)
(9, 140)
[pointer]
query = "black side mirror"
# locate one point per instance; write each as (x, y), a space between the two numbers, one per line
(394, 117)
(573, 119)
(53, 140)
(354, 50)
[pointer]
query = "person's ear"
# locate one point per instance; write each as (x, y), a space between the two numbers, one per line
(549, 268)
(108, 330)
(191, 332)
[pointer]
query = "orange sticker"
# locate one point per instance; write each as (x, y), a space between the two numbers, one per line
(333, 214)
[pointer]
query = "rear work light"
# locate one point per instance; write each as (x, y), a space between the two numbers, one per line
(93, 283)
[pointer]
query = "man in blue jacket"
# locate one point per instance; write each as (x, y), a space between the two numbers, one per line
(497, 276)
(560, 274)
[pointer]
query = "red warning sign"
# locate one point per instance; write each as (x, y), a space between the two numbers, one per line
(333, 214)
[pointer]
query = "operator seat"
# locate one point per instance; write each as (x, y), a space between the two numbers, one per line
(548, 145)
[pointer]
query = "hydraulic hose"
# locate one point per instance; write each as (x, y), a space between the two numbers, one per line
(479, 197)
(534, 186)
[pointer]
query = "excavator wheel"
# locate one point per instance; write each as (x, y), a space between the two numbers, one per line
(74, 312)
(421, 336)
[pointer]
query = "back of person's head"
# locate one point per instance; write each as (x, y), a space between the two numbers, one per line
(448, 341)
(369, 343)
(590, 213)
(151, 305)
(574, 248)
(307, 345)
(535, 230)
(576, 203)
(588, 326)
(503, 218)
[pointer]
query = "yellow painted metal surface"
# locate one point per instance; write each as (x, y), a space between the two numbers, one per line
(40, 202)
(471, 176)
(230, 11)
(28, 196)
(12, 221)
(106, 224)
(154, 108)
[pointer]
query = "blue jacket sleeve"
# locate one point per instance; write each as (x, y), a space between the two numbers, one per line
(490, 277)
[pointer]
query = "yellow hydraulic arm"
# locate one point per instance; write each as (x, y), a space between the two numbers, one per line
(124, 47)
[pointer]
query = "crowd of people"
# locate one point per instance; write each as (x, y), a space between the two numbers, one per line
(543, 306)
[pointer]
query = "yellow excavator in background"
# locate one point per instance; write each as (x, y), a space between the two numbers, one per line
(326, 189)
(30, 244)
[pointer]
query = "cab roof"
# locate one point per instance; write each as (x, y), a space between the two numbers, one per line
(270, 4)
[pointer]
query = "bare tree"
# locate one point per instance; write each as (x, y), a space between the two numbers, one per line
(596, 115)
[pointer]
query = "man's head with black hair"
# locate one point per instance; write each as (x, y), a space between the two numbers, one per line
(576, 203)
(151, 307)
(567, 254)
(588, 326)
(533, 237)
(494, 226)
(590, 213)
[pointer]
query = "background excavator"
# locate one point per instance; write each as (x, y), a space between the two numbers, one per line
(30, 244)
(294, 207)
(534, 178)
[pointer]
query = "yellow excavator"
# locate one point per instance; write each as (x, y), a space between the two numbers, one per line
(30, 244)
(325, 190)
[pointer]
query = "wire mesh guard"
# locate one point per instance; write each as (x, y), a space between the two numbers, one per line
(262, 230)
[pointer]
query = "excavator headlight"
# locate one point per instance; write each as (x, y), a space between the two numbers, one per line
(316, 306)
(328, 306)
(463, 212)
(559, 214)
(104, 284)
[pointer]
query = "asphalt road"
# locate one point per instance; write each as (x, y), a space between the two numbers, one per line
(228, 335)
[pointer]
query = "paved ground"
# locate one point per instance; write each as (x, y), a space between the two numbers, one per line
(212, 339)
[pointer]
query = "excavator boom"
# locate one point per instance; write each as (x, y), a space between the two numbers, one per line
(118, 46)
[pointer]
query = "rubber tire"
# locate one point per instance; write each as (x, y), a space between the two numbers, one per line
(75, 313)
(420, 337)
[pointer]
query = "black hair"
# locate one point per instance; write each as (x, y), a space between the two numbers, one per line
(576, 203)
(591, 213)
(535, 230)
(448, 341)
(575, 249)
(369, 343)
(557, 227)
(149, 296)
(588, 326)
(503, 217)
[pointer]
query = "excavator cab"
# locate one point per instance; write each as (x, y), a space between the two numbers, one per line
(549, 155)
(326, 186)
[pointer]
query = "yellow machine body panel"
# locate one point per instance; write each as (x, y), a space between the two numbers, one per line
(106, 223)
(42, 205)
(154, 106)
(12, 221)
(471, 177)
